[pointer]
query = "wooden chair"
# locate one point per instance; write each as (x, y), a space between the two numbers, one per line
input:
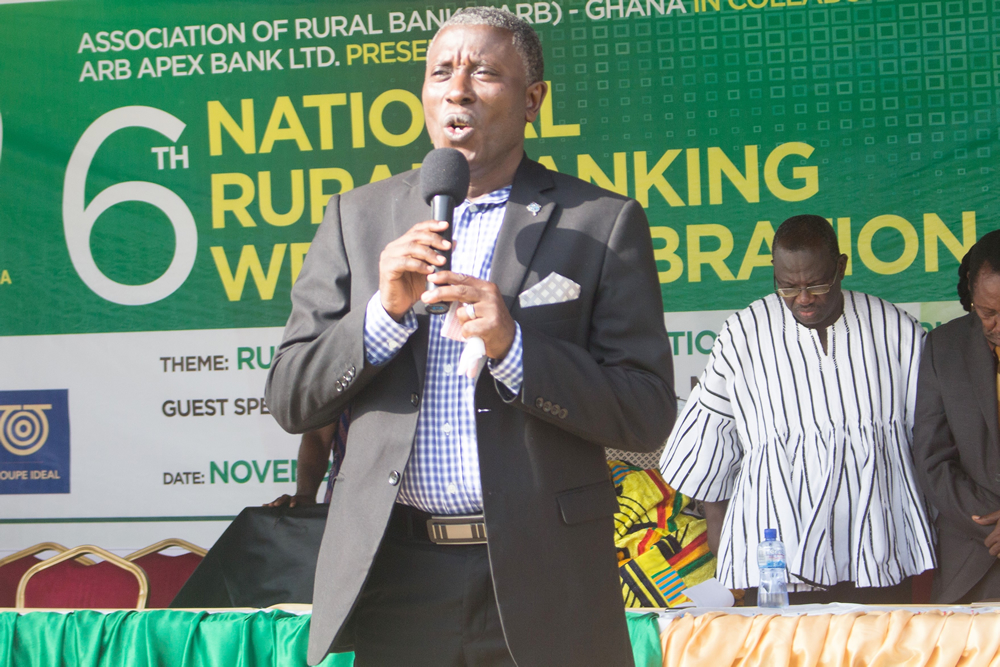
(59, 583)
(13, 567)
(166, 574)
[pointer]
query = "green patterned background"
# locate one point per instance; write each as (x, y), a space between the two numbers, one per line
(879, 115)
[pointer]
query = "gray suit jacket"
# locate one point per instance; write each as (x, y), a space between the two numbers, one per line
(547, 496)
(956, 449)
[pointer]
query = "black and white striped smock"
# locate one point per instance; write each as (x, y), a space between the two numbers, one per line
(816, 445)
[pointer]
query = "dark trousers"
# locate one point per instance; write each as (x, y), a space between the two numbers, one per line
(427, 604)
(848, 593)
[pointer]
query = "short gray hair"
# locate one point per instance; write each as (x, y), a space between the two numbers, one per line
(526, 41)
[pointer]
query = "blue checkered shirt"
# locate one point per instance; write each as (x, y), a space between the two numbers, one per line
(442, 476)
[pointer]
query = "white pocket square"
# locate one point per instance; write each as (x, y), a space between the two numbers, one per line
(554, 289)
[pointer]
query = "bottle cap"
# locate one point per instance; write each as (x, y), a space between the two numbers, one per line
(770, 534)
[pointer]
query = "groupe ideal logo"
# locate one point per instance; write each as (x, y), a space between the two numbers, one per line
(34, 441)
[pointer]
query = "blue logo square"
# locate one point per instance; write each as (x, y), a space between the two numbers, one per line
(34, 441)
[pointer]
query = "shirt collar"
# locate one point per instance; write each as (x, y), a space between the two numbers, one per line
(497, 197)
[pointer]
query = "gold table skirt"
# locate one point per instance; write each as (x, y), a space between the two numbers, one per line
(935, 637)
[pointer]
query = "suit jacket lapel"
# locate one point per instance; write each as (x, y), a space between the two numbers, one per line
(981, 367)
(408, 210)
(522, 230)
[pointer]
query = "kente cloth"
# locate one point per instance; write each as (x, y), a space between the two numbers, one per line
(661, 551)
(814, 444)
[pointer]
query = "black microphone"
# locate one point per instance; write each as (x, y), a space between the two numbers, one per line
(444, 183)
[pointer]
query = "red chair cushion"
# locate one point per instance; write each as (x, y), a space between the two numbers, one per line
(10, 577)
(167, 575)
(70, 585)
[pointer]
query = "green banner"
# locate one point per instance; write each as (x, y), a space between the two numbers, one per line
(163, 166)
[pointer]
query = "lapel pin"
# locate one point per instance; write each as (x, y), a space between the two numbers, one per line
(534, 208)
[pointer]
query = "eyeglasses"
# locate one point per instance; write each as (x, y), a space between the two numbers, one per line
(792, 292)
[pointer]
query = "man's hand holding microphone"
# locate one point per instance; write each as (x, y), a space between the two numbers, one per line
(416, 266)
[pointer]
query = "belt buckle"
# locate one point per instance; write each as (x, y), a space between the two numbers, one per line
(457, 529)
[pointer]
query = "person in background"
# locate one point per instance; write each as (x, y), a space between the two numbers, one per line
(472, 520)
(802, 422)
(314, 463)
(956, 446)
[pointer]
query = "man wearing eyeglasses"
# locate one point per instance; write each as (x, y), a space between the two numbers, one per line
(802, 421)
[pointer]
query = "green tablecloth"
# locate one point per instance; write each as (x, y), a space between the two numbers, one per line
(195, 639)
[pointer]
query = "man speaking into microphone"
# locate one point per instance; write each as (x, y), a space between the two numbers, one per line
(471, 522)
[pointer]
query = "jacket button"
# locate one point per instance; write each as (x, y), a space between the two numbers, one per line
(415, 399)
(563, 413)
(547, 406)
(393, 478)
(997, 477)
(539, 402)
(554, 409)
(340, 386)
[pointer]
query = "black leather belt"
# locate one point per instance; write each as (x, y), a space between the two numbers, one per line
(410, 523)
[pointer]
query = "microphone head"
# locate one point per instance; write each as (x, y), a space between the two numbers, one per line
(445, 171)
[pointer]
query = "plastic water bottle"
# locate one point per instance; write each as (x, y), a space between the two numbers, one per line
(773, 588)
